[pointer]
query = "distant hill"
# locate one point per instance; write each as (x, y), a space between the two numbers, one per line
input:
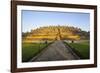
(55, 33)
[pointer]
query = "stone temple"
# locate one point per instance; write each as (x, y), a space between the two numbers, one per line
(51, 33)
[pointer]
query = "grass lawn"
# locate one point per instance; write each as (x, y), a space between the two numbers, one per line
(29, 50)
(81, 48)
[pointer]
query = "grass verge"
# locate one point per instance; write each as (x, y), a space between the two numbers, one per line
(29, 50)
(81, 49)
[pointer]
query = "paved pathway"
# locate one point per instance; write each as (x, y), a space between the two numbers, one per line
(56, 51)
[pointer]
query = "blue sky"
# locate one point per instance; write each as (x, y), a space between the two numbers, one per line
(35, 19)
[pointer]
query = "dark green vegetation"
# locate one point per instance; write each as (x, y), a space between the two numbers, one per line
(24, 34)
(84, 35)
(29, 50)
(81, 49)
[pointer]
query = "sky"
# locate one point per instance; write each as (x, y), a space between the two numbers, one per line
(34, 19)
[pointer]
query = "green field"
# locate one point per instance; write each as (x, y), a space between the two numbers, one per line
(29, 50)
(82, 49)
